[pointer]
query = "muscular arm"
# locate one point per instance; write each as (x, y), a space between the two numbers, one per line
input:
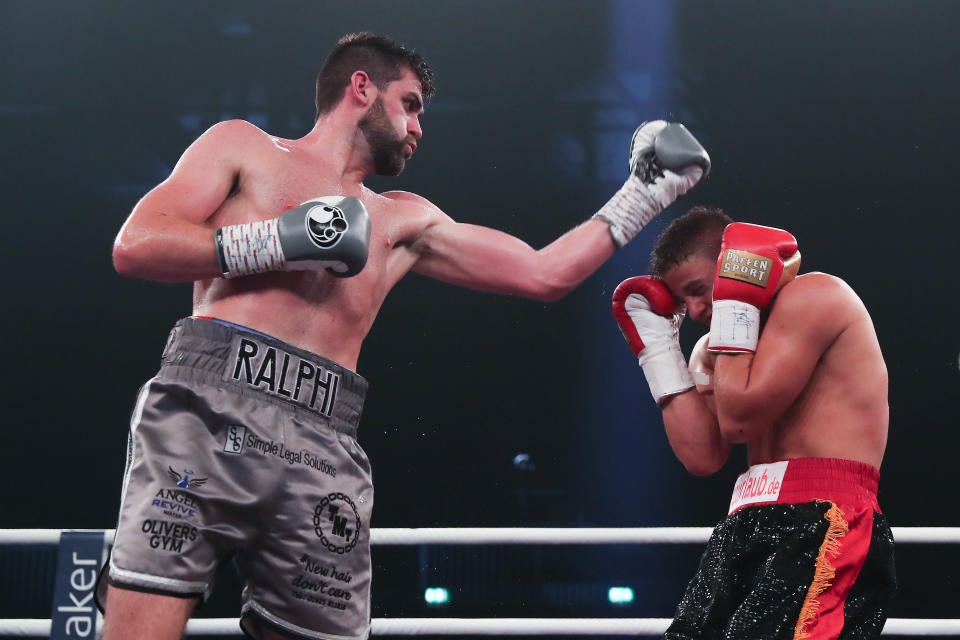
(164, 237)
(691, 423)
(754, 389)
(489, 260)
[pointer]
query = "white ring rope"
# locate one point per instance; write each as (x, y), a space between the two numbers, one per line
(540, 535)
(500, 626)
(513, 626)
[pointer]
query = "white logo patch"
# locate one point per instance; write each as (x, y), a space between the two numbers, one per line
(234, 442)
(759, 483)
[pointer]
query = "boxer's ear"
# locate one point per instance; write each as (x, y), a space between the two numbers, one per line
(361, 88)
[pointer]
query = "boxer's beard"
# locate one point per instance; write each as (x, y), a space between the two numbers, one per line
(386, 146)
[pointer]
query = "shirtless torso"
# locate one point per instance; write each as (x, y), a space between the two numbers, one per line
(842, 411)
(311, 309)
(816, 387)
(810, 405)
(237, 173)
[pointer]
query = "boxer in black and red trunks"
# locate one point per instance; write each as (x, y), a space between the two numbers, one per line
(791, 368)
(804, 553)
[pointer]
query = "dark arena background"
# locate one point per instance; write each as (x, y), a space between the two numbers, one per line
(834, 120)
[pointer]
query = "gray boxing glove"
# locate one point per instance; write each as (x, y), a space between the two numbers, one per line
(674, 149)
(665, 162)
(332, 232)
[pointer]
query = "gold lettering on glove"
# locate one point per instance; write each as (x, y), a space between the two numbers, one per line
(746, 267)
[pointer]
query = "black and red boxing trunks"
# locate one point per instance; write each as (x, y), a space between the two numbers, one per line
(804, 553)
(244, 447)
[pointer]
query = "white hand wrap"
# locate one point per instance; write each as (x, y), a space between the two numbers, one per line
(645, 193)
(666, 370)
(248, 248)
(662, 361)
(734, 327)
(636, 203)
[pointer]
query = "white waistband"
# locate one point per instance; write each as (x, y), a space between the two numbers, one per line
(759, 483)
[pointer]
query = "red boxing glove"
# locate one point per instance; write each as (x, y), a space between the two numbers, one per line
(649, 319)
(754, 263)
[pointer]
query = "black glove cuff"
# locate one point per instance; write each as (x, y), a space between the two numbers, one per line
(221, 260)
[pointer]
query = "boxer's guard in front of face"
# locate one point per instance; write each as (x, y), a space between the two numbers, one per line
(806, 394)
(257, 393)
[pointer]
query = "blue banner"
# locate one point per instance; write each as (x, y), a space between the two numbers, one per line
(78, 563)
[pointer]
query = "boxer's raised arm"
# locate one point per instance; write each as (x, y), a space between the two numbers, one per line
(664, 162)
(753, 390)
(490, 260)
(649, 319)
(164, 237)
(694, 433)
(690, 420)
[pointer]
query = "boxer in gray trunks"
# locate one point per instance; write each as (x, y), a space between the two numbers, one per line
(230, 414)
(245, 443)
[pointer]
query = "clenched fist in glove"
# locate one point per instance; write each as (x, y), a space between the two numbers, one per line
(665, 162)
(331, 233)
(754, 262)
(649, 319)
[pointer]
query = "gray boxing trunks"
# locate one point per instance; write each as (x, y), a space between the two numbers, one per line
(244, 446)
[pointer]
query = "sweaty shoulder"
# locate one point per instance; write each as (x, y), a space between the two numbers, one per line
(424, 219)
(818, 298)
(412, 198)
(414, 205)
(235, 134)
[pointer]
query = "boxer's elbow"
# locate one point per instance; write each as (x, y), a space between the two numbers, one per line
(551, 292)
(127, 259)
(541, 285)
(739, 427)
(740, 415)
(702, 452)
(704, 466)
(706, 460)
(133, 257)
(548, 284)
(552, 273)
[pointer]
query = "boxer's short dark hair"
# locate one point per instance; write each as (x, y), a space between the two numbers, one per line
(383, 59)
(698, 231)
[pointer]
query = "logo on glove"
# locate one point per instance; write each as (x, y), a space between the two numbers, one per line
(326, 224)
(745, 266)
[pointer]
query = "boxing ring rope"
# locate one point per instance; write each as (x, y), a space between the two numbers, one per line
(500, 626)
(514, 626)
(526, 535)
